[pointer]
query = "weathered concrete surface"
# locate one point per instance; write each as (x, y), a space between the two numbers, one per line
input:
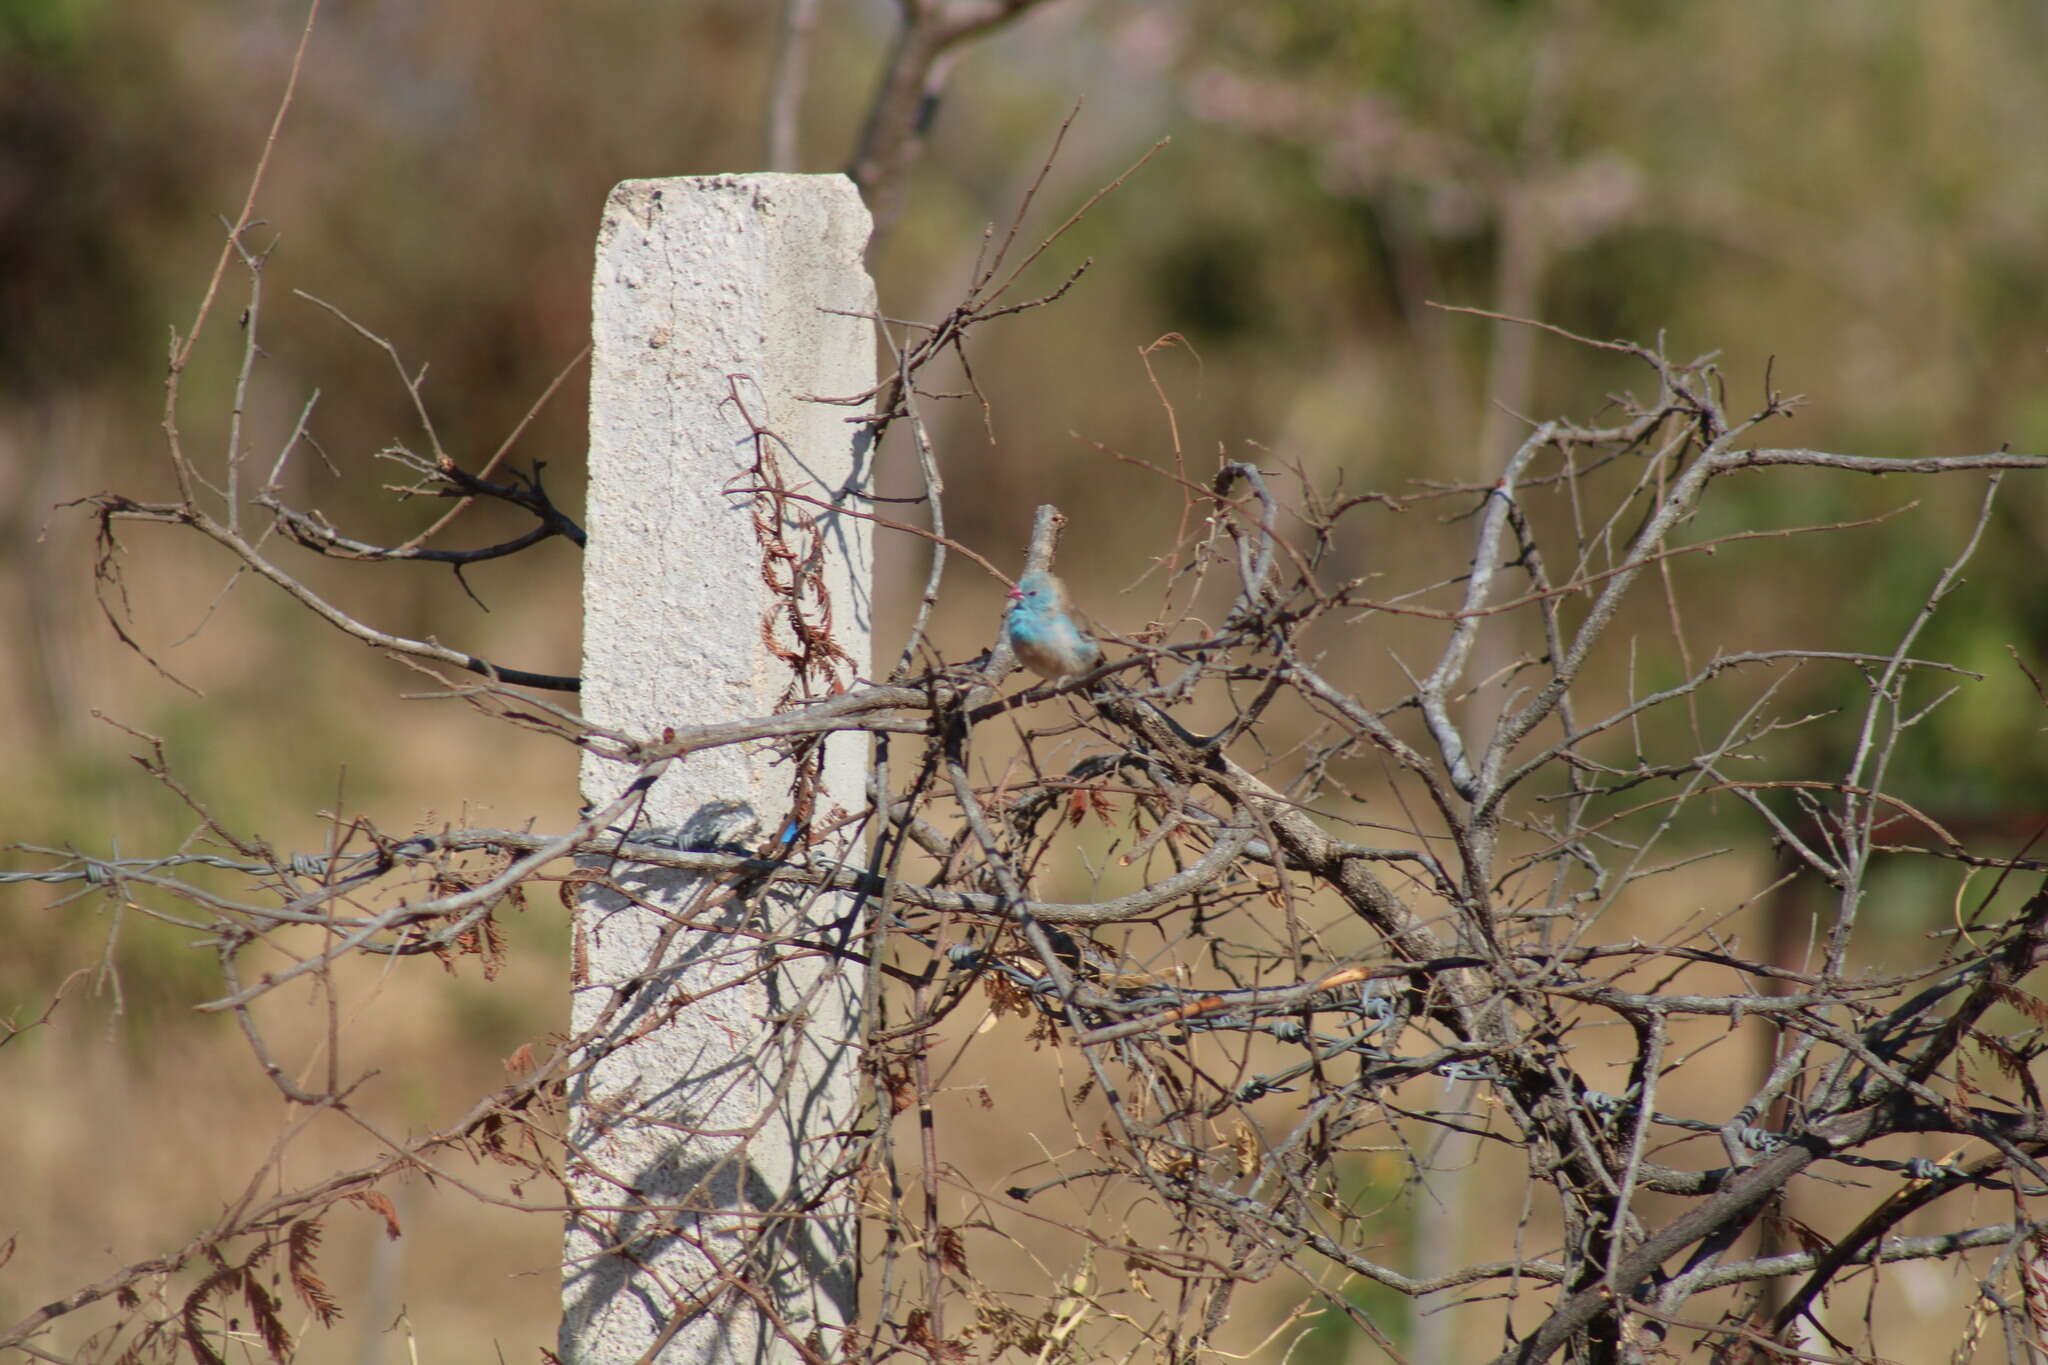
(708, 323)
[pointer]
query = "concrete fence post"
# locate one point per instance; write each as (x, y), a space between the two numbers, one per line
(703, 1225)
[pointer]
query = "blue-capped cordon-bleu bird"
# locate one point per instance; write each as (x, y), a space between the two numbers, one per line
(1046, 633)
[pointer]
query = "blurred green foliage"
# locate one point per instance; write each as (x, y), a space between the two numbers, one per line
(1843, 197)
(1847, 197)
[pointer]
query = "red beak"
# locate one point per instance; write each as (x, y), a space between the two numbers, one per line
(1016, 594)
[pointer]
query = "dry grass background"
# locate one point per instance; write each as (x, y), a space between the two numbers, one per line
(441, 179)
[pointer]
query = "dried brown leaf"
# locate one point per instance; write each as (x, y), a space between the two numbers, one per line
(375, 1202)
(952, 1250)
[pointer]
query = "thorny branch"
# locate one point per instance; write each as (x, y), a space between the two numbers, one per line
(1250, 996)
(1253, 991)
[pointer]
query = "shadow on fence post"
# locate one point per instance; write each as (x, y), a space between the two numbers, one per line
(707, 1222)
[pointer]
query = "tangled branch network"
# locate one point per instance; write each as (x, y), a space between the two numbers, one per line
(1283, 958)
